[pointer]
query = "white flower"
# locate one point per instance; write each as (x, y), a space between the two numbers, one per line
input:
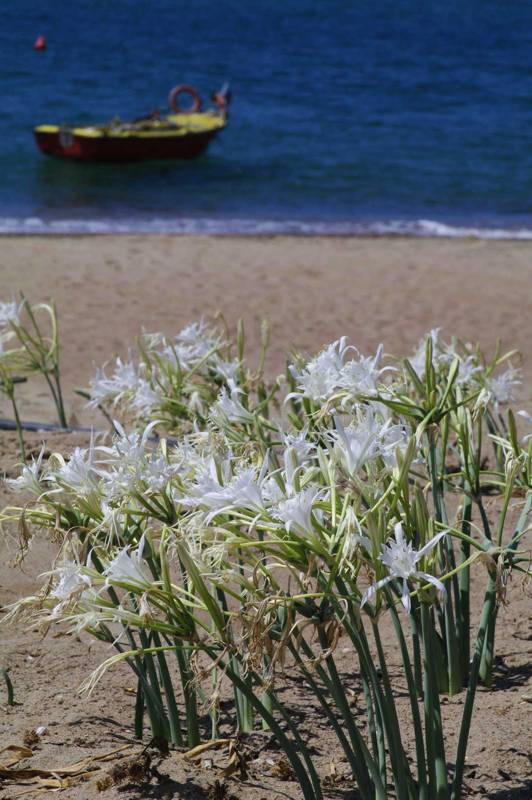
(467, 370)
(70, 581)
(228, 370)
(352, 447)
(125, 378)
(299, 444)
(528, 417)
(207, 487)
(78, 472)
(229, 408)
(217, 489)
(320, 377)
(418, 360)
(146, 397)
(360, 377)
(9, 312)
(30, 478)
(156, 472)
(298, 510)
(354, 539)
(190, 346)
(127, 448)
(501, 388)
(129, 568)
(401, 560)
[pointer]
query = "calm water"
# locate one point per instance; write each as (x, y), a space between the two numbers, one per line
(346, 116)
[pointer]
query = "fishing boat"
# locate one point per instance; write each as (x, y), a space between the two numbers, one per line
(182, 133)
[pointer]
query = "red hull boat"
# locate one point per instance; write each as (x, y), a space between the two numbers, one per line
(180, 134)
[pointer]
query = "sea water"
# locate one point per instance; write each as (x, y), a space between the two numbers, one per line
(365, 117)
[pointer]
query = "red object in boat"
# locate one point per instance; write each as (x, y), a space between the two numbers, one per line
(40, 43)
(178, 135)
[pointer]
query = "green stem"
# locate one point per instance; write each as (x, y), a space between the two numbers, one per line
(139, 710)
(433, 724)
(487, 613)
(416, 718)
(463, 609)
(311, 790)
(173, 712)
(335, 684)
(191, 706)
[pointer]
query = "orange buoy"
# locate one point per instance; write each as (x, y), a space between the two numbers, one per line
(40, 43)
(185, 89)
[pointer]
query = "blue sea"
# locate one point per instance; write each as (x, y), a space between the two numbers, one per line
(365, 117)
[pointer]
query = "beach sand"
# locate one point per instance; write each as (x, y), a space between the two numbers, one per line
(312, 290)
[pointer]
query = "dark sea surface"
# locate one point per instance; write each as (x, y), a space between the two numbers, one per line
(395, 117)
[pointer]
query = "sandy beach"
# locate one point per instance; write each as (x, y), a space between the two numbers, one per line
(311, 289)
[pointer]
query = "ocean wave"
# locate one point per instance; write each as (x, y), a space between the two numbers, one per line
(424, 228)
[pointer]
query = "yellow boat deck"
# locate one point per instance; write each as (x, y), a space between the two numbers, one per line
(170, 125)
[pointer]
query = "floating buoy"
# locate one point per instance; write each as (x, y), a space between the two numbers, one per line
(40, 43)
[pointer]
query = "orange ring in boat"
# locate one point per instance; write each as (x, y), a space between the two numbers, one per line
(183, 88)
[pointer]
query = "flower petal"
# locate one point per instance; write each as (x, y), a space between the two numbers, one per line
(434, 581)
(429, 545)
(371, 591)
(405, 597)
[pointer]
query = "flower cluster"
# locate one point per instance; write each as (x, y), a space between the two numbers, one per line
(254, 537)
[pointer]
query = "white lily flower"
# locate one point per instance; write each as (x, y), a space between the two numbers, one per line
(146, 398)
(129, 567)
(229, 408)
(352, 447)
(5, 336)
(299, 443)
(30, 478)
(217, 489)
(70, 581)
(401, 560)
(9, 312)
(297, 511)
(418, 359)
(228, 370)
(125, 378)
(468, 369)
(208, 484)
(79, 472)
(528, 417)
(157, 472)
(127, 447)
(360, 377)
(191, 345)
(320, 377)
(354, 539)
(502, 387)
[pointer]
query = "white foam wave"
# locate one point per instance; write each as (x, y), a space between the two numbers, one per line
(253, 227)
